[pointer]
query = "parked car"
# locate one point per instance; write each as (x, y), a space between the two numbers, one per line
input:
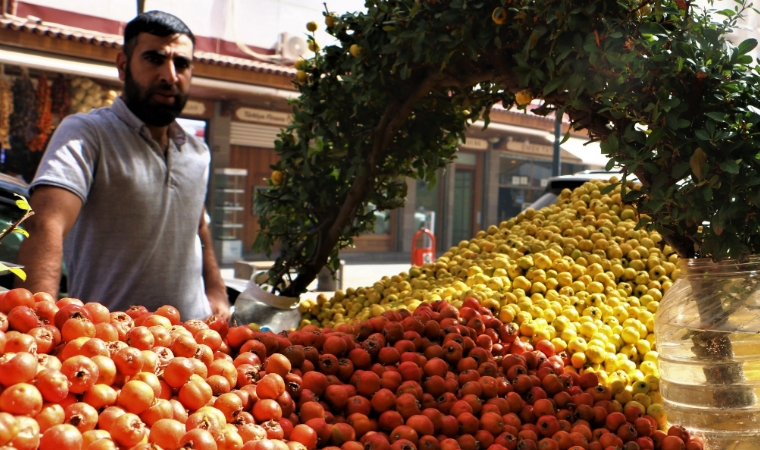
(557, 184)
(10, 213)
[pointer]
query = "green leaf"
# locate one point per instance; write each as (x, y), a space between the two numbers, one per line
(655, 136)
(609, 188)
(702, 135)
(730, 166)
(672, 120)
(553, 85)
(744, 59)
(653, 28)
(679, 170)
(747, 46)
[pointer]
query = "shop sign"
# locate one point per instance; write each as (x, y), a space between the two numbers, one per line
(263, 116)
(541, 151)
(520, 180)
(194, 108)
(533, 149)
(474, 144)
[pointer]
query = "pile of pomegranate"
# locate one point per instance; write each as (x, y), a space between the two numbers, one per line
(77, 376)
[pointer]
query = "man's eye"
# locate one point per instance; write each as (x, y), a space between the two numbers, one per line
(181, 64)
(155, 59)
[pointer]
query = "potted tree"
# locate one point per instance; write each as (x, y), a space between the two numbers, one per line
(656, 82)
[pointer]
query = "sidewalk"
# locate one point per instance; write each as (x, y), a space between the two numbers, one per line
(353, 258)
(360, 270)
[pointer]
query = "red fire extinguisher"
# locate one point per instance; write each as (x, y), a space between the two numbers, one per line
(424, 255)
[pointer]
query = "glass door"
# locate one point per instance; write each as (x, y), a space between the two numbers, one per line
(463, 205)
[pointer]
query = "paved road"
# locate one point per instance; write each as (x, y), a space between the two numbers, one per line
(356, 274)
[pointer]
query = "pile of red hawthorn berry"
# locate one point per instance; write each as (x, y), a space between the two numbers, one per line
(77, 376)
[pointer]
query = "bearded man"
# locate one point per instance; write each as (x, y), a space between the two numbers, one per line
(119, 193)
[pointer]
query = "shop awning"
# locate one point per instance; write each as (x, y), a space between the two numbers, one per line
(590, 154)
(107, 72)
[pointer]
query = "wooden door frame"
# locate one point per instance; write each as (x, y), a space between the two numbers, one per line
(245, 157)
(477, 190)
(377, 242)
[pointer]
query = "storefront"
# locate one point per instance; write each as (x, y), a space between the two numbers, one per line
(239, 105)
(32, 104)
(253, 129)
(79, 68)
(497, 173)
(524, 170)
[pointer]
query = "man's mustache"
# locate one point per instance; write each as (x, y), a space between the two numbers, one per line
(164, 90)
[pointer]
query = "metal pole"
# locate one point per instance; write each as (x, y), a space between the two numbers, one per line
(557, 160)
(140, 6)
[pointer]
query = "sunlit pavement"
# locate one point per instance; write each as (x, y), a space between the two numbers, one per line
(356, 275)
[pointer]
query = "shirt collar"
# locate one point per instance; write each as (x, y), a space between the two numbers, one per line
(122, 111)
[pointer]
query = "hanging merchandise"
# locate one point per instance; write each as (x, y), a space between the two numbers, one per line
(110, 97)
(44, 115)
(85, 95)
(6, 108)
(60, 93)
(23, 119)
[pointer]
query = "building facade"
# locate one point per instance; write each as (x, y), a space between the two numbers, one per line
(239, 102)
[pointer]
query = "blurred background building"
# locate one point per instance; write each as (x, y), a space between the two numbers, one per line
(239, 101)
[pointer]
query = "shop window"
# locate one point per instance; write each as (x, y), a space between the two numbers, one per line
(514, 171)
(195, 127)
(426, 205)
(468, 159)
(463, 205)
(257, 190)
(382, 221)
(522, 181)
(512, 201)
(541, 173)
(569, 168)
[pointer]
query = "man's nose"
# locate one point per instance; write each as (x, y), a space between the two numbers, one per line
(168, 72)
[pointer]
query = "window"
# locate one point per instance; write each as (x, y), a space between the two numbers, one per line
(426, 201)
(468, 159)
(254, 195)
(523, 181)
(382, 221)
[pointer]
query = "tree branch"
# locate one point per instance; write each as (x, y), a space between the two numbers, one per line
(16, 224)
(393, 118)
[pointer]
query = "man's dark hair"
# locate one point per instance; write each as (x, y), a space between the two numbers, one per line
(157, 23)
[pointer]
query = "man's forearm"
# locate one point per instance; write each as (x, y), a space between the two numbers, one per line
(41, 256)
(212, 277)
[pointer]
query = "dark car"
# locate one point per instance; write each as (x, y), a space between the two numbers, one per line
(557, 184)
(10, 213)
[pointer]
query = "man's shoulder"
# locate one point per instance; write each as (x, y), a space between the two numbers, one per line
(196, 143)
(87, 122)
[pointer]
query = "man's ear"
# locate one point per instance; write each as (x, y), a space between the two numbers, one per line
(121, 64)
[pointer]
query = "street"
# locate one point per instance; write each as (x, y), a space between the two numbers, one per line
(357, 274)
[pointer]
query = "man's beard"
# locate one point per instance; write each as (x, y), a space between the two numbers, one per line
(142, 105)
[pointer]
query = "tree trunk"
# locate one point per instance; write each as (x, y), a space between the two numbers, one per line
(390, 123)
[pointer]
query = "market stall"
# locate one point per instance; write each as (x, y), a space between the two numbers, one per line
(32, 104)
